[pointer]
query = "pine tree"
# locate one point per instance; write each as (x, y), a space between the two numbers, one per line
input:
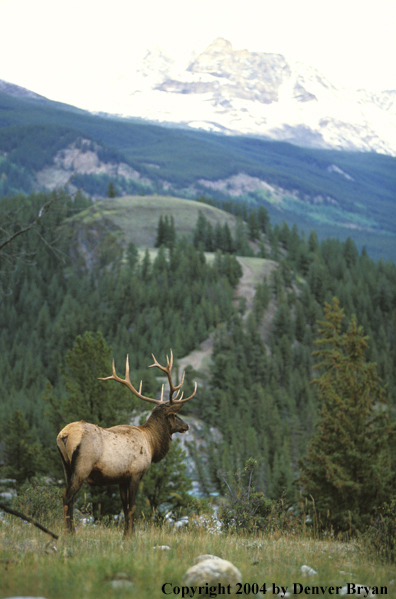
(347, 470)
(166, 232)
(282, 476)
(23, 455)
(170, 239)
(87, 398)
(227, 239)
(200, 230)
(111, 190)
(263, 218)
(132, 255)
(160, 240)
(218, 237)
(146, 266)
(253, 226)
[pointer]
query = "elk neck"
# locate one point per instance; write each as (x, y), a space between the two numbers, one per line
(158, 430)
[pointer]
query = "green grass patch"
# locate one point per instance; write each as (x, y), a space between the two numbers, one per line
(85, 565)
(138, 216)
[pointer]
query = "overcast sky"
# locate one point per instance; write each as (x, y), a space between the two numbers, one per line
(64, 49)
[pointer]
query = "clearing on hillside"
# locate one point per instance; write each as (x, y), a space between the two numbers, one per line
(138, 216)
(253, 272)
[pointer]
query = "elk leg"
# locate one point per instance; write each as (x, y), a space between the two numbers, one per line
(130, 504)
(124, 492)
(68, 494)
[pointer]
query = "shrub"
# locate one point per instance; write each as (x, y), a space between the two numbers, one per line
(380, 537)
(244, 509)
(40, 500)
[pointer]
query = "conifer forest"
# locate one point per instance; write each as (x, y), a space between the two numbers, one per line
(303, 382)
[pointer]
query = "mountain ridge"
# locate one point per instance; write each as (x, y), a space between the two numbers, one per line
(256, 93)
(42, 143)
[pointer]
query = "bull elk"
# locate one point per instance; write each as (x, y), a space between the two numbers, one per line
(120, 454)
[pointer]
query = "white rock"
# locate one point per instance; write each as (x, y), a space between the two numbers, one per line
(307, 571)
(162, 547)
(182, 522)
(213, 571)
(201, 558)
(121, 581)
(121, 584)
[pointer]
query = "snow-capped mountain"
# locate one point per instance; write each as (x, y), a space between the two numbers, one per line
(255, 93)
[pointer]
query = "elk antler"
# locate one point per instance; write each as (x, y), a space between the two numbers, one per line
(128, 383)
(167, 369)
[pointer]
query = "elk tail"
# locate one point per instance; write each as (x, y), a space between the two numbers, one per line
(68, 442)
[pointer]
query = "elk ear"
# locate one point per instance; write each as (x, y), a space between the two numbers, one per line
(175, 407)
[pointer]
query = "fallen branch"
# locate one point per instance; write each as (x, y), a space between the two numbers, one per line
(40, 215)
(28, 519)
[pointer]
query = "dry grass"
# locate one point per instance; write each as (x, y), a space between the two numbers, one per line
(138, 216)
(85, 565)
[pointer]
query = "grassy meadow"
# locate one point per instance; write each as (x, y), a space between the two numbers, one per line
(33, 564)
(138, 216)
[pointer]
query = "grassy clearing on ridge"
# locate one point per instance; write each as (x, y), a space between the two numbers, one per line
(138, 216)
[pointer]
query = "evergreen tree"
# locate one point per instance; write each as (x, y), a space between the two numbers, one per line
(263, 218)
(284, 235)
(228, 243)
(170, 231)
(160, 240)
(87, 398)
(166, 232)
(23, 455)
(253, 226)
(146, 266)
(351, 254)
(218, 237)
(132, 255)
(347, 469)
(282, 476)
(299, 323)
(111, 191)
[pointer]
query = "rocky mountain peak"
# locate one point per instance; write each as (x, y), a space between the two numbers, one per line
(219, 45)
(256, 93)
(229, 73)
(254, 75)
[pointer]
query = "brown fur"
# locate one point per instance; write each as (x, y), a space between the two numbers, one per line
(118, 455)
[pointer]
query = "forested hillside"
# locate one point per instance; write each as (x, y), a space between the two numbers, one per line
(258, 393)
(42, 143)
(261, 395)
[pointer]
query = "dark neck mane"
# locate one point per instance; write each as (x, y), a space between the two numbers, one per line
(160, 436)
